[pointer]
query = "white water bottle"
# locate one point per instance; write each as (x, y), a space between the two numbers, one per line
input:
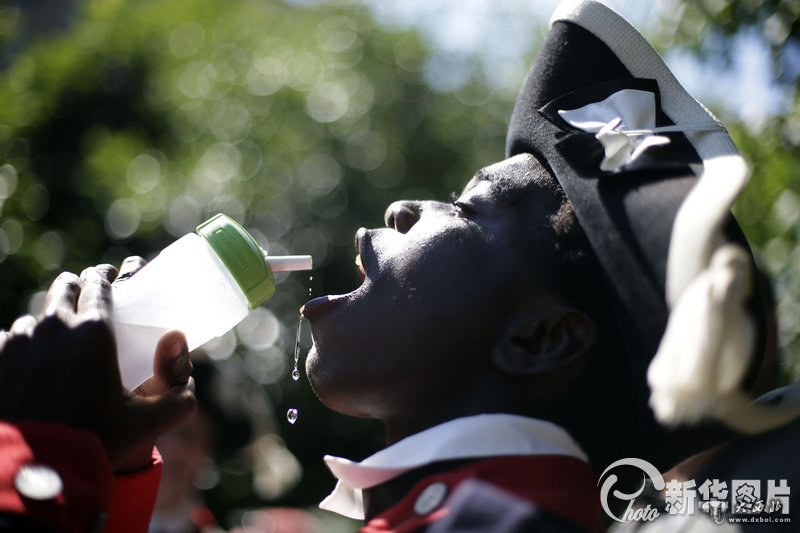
(203, 284)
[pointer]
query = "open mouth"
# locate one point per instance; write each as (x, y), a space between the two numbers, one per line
(320, 305)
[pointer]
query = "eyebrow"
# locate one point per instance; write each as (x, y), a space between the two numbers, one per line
(501, 187)
(482, 175)
(479, 176)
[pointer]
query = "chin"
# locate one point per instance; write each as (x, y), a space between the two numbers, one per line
(336, 392)
(322, 382)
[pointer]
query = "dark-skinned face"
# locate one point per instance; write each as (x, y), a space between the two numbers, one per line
(440, 282)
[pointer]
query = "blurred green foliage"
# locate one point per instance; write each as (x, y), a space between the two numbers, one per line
(769, 209)
(144, 118)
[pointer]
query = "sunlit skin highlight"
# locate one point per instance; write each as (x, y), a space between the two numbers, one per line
(453, 317)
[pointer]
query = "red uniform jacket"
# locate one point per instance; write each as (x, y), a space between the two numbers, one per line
(501, 494)
(90, 497)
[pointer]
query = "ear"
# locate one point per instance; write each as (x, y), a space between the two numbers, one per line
(536, 342)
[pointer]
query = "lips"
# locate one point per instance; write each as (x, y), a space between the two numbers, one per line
(362, 274)
(324, 304)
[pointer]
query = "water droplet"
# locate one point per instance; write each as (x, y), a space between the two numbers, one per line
(291, 415)
(297, 340)
(295, 374)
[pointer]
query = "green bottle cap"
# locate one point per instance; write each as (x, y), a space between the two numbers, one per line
(243, 257)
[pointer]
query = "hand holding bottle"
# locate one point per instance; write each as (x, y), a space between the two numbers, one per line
(61, 367)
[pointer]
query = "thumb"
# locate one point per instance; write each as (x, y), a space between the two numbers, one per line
(171, 363)
(172, 366)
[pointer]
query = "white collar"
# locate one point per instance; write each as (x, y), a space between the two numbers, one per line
(489, 435)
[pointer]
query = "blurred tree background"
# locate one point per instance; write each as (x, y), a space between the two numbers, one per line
(124, 124)
(715, 32)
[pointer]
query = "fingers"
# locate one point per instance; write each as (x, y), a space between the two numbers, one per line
(15, 361)
(65, 294)
(94, 301)
(109, 272)
(172, 366)
(62, 297)
(130, 266)
(24, 326)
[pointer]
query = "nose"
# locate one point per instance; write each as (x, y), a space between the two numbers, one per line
(402, 215)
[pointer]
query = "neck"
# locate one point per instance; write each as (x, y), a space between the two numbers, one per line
(489, 396)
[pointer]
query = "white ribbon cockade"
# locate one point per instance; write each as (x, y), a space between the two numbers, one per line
(624, 123)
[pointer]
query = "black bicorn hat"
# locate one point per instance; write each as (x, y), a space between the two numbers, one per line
(651, 175)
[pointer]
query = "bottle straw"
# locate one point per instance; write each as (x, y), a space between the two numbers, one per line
(288, 263)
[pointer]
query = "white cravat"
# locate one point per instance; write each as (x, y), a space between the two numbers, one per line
(489, 435)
